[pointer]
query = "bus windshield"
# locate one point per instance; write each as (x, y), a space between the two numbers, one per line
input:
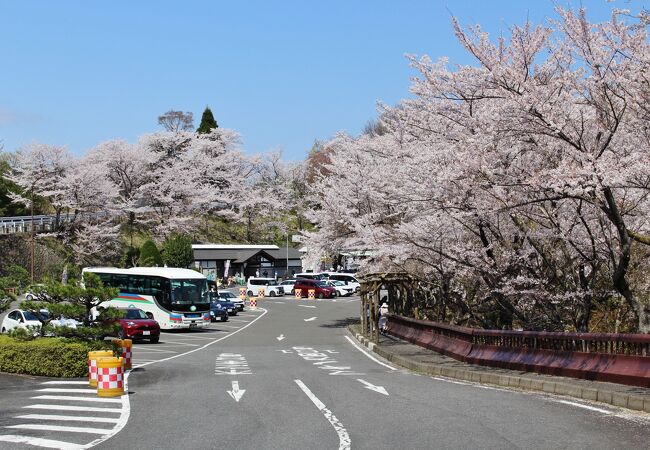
(189, 292)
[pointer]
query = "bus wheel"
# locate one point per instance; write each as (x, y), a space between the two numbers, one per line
(250, 293)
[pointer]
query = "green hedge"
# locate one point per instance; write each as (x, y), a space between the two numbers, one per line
(48, 356)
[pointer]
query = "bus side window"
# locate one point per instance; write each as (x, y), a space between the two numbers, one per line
(121, 282)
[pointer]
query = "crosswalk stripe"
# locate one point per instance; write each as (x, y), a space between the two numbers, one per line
(69, 418)
(38, 442)
(75, 391)
(78, 399)
(30, 426)
(73, 408)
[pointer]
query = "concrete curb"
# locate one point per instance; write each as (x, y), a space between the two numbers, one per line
(619, 399)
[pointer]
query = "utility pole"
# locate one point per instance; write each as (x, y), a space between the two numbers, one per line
(287, 272)
(33, 249)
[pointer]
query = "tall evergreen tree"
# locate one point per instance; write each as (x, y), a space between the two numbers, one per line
(177, 251)
(207, 122)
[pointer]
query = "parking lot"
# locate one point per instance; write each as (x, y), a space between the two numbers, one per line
(178, 342)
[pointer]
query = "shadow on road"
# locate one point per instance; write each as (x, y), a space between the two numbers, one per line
(342, 323)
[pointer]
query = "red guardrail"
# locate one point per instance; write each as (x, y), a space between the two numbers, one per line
(618, 358)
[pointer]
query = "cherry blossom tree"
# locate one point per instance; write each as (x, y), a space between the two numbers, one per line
(518, 187)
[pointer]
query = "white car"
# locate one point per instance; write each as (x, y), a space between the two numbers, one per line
(287, 285)
(346, 278)
(270, 286)
(342, 289)
(18, 318)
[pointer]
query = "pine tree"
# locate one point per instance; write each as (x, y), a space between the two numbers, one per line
(207, 122)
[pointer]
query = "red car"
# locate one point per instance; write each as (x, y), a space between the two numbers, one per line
(321, 288)
(136, 325)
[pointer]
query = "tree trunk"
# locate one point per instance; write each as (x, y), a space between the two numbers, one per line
(622, 264)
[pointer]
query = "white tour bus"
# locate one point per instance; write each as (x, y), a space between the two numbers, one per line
(175, 298)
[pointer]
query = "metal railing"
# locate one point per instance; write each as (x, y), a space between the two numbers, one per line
(23, 224)
(602, 343)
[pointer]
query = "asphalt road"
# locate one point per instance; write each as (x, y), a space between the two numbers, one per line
(288, 376)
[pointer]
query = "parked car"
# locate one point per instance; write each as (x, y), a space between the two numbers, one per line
(230, 307)
(271, 287)
(344, 277)
(342, 289)
(218, 313)
(287, 285)
(321, 288)
(230, 297)
(19, 318)
(311, 275)
(137, 325)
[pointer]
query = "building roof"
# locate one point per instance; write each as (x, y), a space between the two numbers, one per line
(233, 247)
(242, 253)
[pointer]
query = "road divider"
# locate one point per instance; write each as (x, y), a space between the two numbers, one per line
(126, 351)
(92, 364)
(110, 377)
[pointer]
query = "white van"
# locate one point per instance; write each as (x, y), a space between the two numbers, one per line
(271, 287)
(347, 278)
(311, 276)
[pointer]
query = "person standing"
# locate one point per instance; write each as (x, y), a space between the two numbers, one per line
(383, 318)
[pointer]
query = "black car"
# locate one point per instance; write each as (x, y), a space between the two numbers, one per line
(218, 313)
(225, 304)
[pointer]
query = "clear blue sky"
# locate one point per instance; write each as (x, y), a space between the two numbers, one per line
(282, 73)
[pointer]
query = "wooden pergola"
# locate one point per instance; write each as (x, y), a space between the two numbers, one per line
(396, 289)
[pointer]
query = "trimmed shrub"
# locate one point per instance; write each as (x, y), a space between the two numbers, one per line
(48, 356)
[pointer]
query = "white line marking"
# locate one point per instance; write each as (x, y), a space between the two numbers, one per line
(307, 306)
(65, 382)
(75, 391)
(69, 418)
(311, 319)
(368, 354)
(78, 399)
(279, 338)
(344, 437)
(73, 408)
(179, 343)
(580, 405)
(279, 303)
(147, 350)
(28, 426)
(238, 321)
(37, 442)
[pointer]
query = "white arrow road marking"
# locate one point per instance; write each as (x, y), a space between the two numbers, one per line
(307, 306)
(344, 438)
(310, 319)
(279, 338)
(372, 387)
(236, 394)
